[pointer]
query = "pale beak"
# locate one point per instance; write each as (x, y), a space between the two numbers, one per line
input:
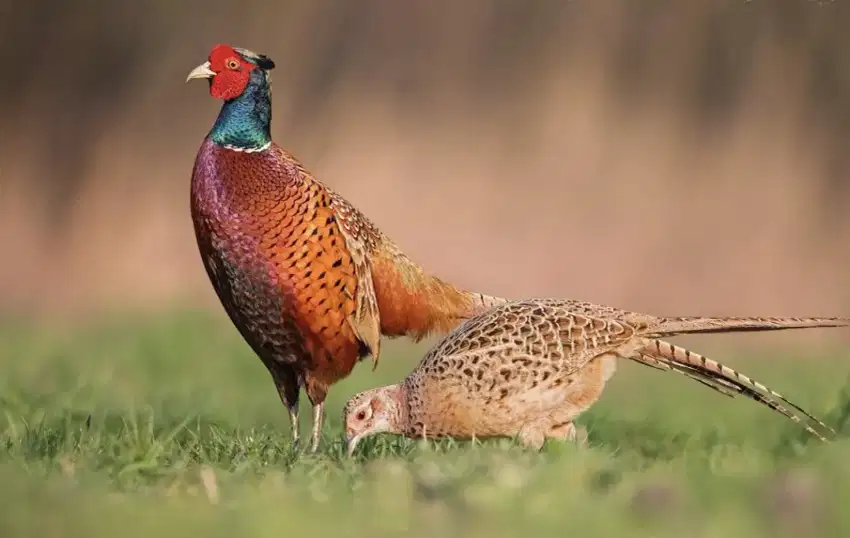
(202, 71)
(350, 443)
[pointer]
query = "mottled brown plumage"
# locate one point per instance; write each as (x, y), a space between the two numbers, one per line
(529, 368)
(308, 280)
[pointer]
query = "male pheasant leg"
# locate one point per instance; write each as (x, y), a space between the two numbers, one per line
(286, 382)
(293, 422)
(317, 392)
(318, 420)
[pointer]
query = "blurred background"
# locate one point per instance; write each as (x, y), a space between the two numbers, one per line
(673, 157)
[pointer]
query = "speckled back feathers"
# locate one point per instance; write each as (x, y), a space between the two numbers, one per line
(540, 362)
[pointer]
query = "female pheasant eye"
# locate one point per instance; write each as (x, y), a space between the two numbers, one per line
(361, 415)
(232, 64)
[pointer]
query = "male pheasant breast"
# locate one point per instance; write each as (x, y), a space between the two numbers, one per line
(275, 254)
(309, 282)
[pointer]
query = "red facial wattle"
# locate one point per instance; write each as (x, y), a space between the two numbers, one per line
(232, 72)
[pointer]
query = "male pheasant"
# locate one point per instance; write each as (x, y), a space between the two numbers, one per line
(310, 283)
(529, 368)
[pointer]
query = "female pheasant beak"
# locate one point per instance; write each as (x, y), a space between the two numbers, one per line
(202, 71)
(351, 440)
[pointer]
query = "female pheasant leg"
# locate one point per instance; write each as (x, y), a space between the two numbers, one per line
(568, 432)
(531, 436)
(563, 432)
(587, 385)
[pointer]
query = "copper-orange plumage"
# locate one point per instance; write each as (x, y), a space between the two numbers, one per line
(310, 283)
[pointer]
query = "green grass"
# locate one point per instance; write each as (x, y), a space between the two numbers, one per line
(171, 427)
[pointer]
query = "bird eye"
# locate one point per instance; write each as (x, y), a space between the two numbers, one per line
(361, 415)
(232, 63)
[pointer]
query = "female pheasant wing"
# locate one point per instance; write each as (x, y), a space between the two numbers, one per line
(360, 238)
(549, 329)
(568, 332)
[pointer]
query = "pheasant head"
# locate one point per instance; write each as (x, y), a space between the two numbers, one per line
(240, 78)
(374, 411)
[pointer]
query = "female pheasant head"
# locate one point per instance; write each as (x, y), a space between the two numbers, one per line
(374, 411)
(240, 78)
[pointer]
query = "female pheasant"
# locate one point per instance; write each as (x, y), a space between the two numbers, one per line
(529, 368)
(310, 283)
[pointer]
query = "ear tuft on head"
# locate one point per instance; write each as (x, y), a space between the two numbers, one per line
(264, 62)
(260, 60)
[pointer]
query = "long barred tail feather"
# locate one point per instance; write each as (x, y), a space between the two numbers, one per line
(694, 364)
(725, 387)
(720, 385)
(695, 324)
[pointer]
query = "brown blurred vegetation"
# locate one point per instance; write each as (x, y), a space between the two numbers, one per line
(678, 157)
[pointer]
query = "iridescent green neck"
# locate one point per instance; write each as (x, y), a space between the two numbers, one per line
(245, 122)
